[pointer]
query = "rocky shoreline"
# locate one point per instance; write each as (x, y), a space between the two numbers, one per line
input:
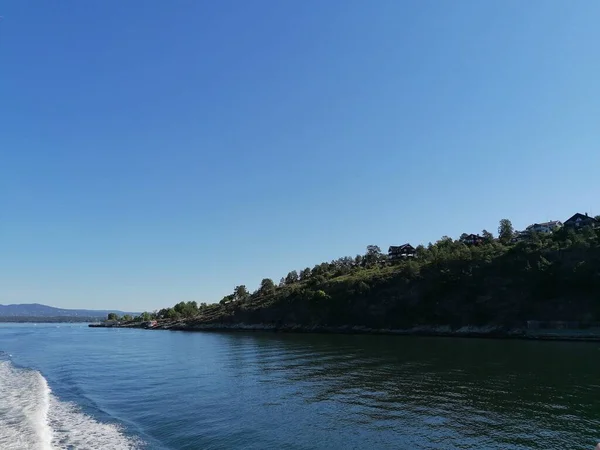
(442, 331)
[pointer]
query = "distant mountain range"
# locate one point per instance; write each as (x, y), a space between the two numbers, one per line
(37, 310)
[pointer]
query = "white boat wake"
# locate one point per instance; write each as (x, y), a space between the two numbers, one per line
(32, 418)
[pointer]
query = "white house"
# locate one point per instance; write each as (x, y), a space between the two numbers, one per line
(546, 227)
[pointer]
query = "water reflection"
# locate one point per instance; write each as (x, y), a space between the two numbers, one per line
(416, 392)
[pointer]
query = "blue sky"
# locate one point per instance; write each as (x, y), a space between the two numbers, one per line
(153, 152)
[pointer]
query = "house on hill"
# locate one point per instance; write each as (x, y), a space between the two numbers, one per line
(402, 251)
(545, 227)
(520, 236)
(581, 220)
(472, 239)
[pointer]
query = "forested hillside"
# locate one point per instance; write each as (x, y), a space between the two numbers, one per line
(545, 277)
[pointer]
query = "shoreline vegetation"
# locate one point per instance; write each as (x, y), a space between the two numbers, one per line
(532, 284)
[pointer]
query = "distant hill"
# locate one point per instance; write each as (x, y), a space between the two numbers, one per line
(37, 310)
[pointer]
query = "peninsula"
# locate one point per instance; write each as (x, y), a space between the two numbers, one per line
(474, 285)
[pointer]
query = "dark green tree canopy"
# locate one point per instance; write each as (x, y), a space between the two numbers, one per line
(267, 286)
(372, 256)
(186, 309)
(305, 274)
(373, 250)
(146, 316)
(292, 277)
(505, 231)
(240, 292)
(487, 236)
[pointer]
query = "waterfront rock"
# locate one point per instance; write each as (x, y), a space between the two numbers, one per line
(490, 331)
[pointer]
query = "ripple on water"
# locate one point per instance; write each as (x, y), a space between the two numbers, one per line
(272, 391)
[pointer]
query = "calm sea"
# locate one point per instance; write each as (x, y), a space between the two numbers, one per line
(72, 387)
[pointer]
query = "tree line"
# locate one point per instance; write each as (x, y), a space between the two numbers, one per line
(329, 289)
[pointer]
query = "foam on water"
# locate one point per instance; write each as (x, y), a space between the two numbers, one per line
(31, 418)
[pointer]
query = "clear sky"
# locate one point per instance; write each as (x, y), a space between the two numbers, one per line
(155, 151)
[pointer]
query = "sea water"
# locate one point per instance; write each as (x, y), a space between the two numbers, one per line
(74, 387)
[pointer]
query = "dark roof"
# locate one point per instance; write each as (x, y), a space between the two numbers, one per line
(396, 248)
(580, 216)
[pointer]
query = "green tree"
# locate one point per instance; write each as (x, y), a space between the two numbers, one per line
(320, 269)
(240, 292)
(343, 265)
(320, 296)
(488, 237)
(505, 231)
(373, 255)
(186, 309)
(317, 280)
(291, 277)
(127, 318)
(112, 316)
(173, 314)
(445, 242)
(267, 286)
(358, 260)
(305, 274)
